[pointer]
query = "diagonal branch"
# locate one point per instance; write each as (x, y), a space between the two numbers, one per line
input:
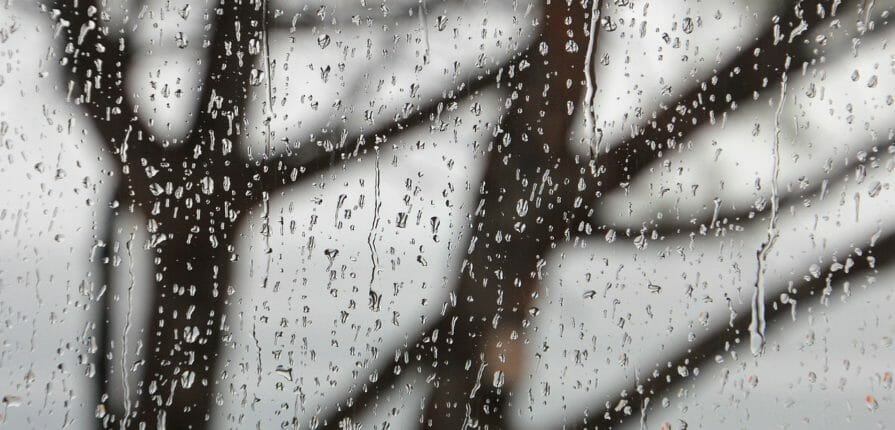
(727, 216)
(757, 68)
(366, 395)
(878, 253)
(411, 355)
(291, 168)
(526, 159)
(337, 146)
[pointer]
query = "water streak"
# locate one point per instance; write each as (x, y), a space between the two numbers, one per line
(125, 389)
(758, 324)
(371, 239)
(590, 115)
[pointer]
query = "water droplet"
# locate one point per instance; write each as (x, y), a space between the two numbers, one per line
(752, 380)
(522, 207)
(187, 378)
(872, 82)
(182, 40)
(12, 401)
(185, 12)
(207, 185)
(375, 301)
(441, 22)
(640, 241)
(499, 379)
(871, 402)
(256, 77)
(688, 25)
(285, 372)
(401, 222)
(610, 236)
(814, 270)
(434, 223)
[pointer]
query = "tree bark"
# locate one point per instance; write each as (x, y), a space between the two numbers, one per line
(527, 205)
(192, 280)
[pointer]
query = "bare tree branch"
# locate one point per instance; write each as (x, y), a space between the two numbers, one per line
(875, 253)
(412, 355)
(723, 216)
(528, 202)
(95, 62)
(757, 68)
(444, 345)
(291, 167)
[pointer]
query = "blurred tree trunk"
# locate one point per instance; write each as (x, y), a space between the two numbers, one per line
(527, 205)
(193, 196)
(192, 279)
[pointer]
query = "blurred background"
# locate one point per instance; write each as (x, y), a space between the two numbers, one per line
(446, 214)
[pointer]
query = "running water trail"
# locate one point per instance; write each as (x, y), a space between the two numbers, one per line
(371, 240)
(265, 197)
(269, 115)
(424, 19)
(590, 115)
(757, 326)
(125, 389)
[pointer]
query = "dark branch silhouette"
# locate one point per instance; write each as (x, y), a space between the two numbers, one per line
(875, 254)
(739, 92)
(757, 68)
(536, 193)
(724, 216)
(332, 147)
(484, 326)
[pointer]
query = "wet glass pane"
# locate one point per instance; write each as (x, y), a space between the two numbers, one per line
(446, 214)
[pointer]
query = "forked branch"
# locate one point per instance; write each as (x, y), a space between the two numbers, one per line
(95, 63)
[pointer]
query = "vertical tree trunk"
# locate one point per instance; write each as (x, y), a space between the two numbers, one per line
(193, 272)
(528, 205)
